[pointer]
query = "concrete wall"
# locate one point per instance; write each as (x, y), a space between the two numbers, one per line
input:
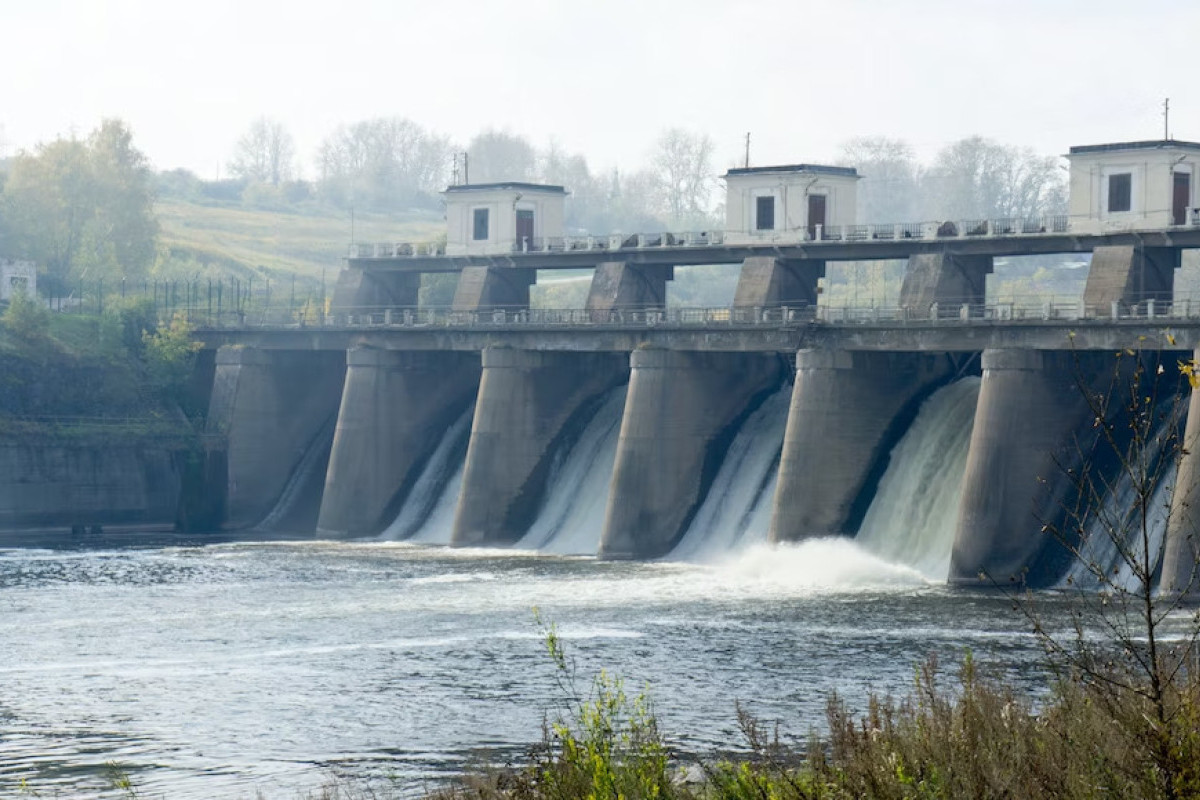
(1181, 553)
(60, 485)
(946, 279)
(1127, 275)
(527, 402)
(1029, 407)
(766, 281)
(502, 201)
(360, 291)
(1151, 187)
(791, 190)
(618, 285)
(679, 416)
(395, 408)
(485, 288)
(848, 409)
(269, 406)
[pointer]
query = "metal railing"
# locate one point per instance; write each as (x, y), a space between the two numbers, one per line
(965, 228)
(1014, 311)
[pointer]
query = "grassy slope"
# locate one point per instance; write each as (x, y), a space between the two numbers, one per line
(235, 241)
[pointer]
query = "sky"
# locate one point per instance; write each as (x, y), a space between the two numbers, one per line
(602, 77)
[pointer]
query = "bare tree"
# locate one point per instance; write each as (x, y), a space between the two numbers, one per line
(266, 153)
(1142, 668)
(500, 156)
(979, 179)
(683, 177)
(386, 162)
(890, 178)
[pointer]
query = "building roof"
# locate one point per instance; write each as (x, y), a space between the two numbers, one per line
(1149, 144)
(823, 169)
(509, 185)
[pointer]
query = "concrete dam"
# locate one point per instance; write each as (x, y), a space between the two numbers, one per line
(935, 434)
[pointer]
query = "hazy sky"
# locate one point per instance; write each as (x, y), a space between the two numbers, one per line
(603, 77)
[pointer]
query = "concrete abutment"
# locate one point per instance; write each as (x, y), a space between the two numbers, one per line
(679, 408)
(1181, 552)
(767, 281)
(1128, 275)
(395, 408)
(841, 425)
(359, 291)
(489, 288)
(527, 400)
(619, 285)
(1029, 406)
(268, 407)
(947, 279)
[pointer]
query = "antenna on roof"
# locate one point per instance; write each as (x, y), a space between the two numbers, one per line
(1166, 118)
(747, 150)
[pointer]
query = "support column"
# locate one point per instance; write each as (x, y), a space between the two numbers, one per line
(395, 408)
(1181, 553)
(1129, 275)
(947, 279)
(617, 285)
(679, 415)
(487, 288)
(768, 281)
(1029, 405)
(848, 410)
(269, 407)
(360, 291)
(528, 400)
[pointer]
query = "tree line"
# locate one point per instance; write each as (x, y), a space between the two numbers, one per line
(84, 207)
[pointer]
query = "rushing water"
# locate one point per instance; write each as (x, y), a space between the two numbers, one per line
(228, 670)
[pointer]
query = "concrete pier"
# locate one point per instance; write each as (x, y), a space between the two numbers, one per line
(269, 406)
(768, 281)
(1127, 275)
(617, 285)
(847, 411)
(527, 401)
(395, 408)
(679, 410)
(358, 290)
(486, 288)
(948, 279)
(1029, 406)
(1181, 553)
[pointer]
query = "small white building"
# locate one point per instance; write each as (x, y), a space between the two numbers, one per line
(17, 277)
(788, 203)
(486, 218)
(1134, 185)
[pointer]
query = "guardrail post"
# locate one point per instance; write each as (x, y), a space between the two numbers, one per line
(964, 311)
(820, 234)
(1150, 309)
(933, 311)
(1116, 309)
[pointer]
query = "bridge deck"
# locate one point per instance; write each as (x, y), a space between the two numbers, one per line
(366, 257)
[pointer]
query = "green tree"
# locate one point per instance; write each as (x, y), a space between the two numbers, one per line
(74, 205)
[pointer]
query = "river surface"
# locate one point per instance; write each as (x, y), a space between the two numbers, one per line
(227, 670)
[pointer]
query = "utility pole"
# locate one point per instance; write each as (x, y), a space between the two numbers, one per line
(747, 150)
(466, 171)
(1166, 118)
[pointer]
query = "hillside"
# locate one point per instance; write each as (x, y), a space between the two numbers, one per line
(233, 241)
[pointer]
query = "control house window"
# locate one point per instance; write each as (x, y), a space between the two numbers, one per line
(1120, 192)
(764, 213)
(480, 227)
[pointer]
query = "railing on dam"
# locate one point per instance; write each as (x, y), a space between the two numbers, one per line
(1013, 311)
(966, 228)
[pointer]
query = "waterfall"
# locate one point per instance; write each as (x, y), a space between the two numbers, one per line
(572, 517)
(1119, 517)
(736, 512)
(913, 518)
(428, 512)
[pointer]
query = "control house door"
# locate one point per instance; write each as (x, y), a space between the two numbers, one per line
(524, 228)
(1181, 194)
(816, 214)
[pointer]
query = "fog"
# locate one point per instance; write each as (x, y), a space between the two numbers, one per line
(601, 78)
